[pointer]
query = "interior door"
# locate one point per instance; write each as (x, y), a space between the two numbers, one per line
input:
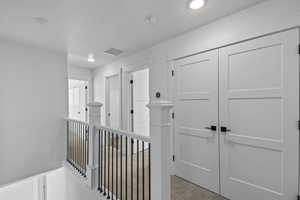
(259, 107)
(140, 98)
(196, 110)
(77, 99)
(113, 94)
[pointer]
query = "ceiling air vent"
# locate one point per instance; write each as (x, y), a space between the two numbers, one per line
(113, 51)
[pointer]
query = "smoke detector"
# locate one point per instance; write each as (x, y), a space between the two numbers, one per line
(40, 20)
(150, 19)
(113, 51)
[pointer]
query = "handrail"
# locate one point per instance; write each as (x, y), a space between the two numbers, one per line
(76, 120)
(118, 131)
(125, 133)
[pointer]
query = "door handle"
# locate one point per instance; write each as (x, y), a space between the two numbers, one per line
(224, 129)
(212, 128)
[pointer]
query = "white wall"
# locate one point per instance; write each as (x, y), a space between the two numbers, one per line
(141, 60)
(76, 190)
(267, 17)
(25, 189)
(62, 184)
(56, 185)
(33, 103)
(264, 18)
(81, 73)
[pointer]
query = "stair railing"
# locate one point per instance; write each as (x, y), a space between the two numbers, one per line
(123, 165)
(78, 145)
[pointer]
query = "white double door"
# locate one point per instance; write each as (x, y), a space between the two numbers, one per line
(251, 91)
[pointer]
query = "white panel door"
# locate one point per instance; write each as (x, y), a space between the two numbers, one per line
(113, 115)
(259, 104)
(77, 99)
(140, 98)
(196, 109)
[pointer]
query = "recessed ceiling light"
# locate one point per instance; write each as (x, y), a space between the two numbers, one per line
(91, 58)
(196, 4)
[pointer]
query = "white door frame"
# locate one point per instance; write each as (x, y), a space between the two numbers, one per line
(171, 95)
(128, 93)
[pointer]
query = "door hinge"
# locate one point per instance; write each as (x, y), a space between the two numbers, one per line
(173, 73)
(298, 124)
(131, 81)
(299, 49)
(173, 115)
(173, 158)
(86, 109)
(131, 111)
(86, 87)
(298, 197)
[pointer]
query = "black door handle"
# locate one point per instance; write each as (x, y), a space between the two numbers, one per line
(225, 129)
(212, 128)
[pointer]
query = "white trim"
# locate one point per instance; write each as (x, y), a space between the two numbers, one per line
(42, 187)
(121, 120)
(106, 104)
(171, 96)
(77, 121)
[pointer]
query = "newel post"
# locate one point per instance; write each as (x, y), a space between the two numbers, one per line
(160, 132)
(94, 119)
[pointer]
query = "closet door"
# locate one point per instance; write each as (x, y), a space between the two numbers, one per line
(196, 110)
(259, 107)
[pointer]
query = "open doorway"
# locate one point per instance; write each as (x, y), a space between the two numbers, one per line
(78, 97)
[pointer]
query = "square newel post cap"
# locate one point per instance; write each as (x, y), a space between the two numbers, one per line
(159, 113)
(94, 104)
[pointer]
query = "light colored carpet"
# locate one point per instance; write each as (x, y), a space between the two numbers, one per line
(184, 190)
(180, 188)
